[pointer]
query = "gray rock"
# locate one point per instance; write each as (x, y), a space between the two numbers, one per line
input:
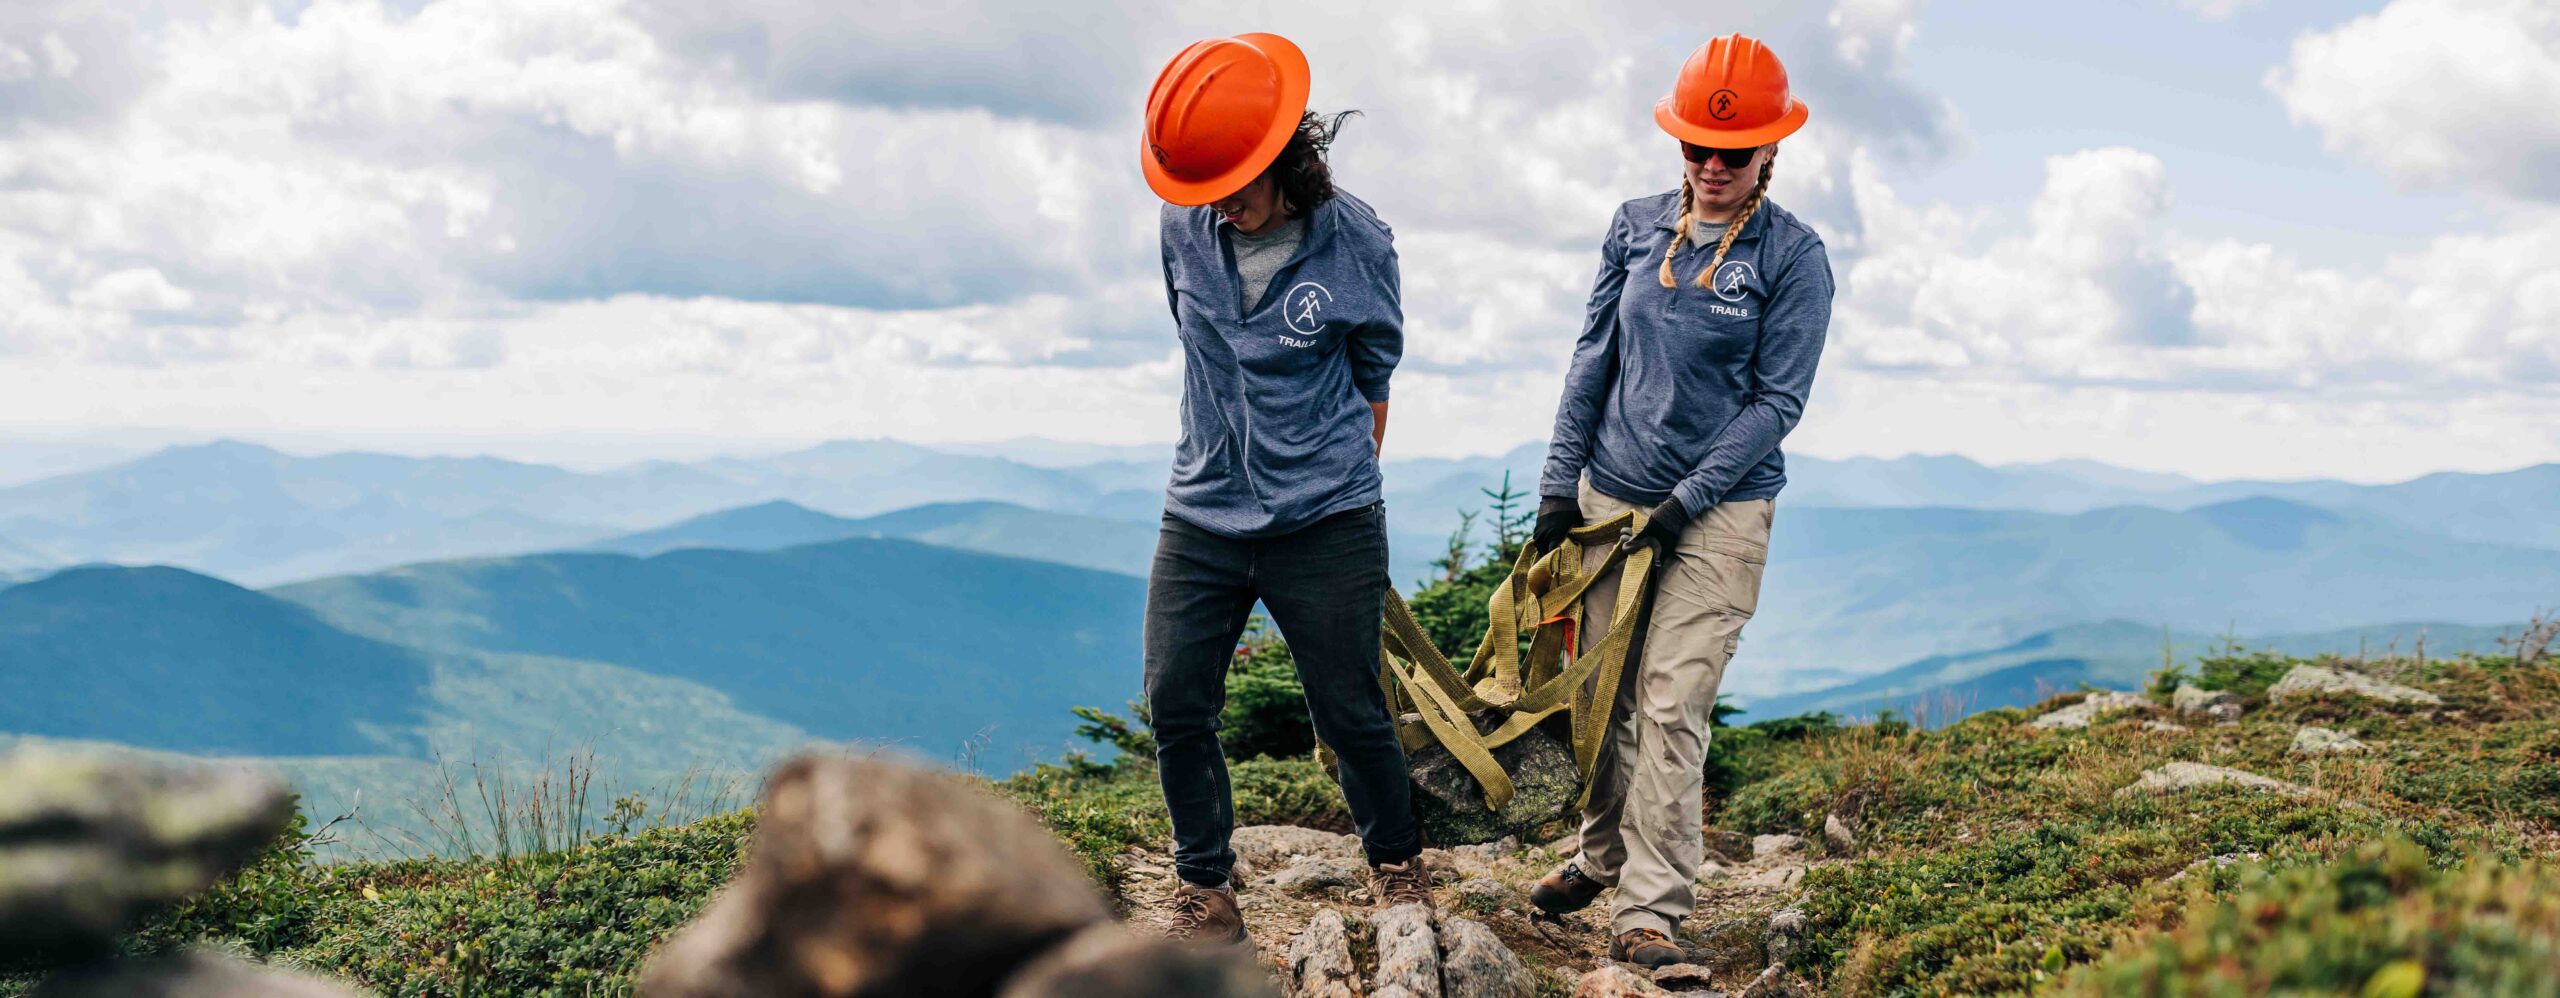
(1837, 836)
(188, 975)
(1683, 977)
(1475, 964)
(1786, 934)
(1264, 849)
(2176, 776)
(1450, 805)
(2216, 862)
(1319, 959)
(1766, 847)
(868, 876)
(1613, 981)
(1316, 874)
(1771, 983)
(2080, 715)
(2323, 741)
(1109, 959)
(2306, 680)
(2218, 706)
(1408, 954)
(90, 842)
(2168, 727)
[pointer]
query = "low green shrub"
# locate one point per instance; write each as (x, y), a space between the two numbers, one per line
(2384, 921)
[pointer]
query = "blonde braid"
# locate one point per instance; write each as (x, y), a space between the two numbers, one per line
(1759, 189)
(1679, 235)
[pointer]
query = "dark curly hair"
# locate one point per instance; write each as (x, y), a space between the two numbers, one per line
(1304, 179)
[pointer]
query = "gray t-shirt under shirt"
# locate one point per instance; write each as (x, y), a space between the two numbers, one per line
(1259, 257)
(1706, 234)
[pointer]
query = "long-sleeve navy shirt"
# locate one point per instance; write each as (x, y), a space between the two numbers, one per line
(1685, 391)
(1276, 425)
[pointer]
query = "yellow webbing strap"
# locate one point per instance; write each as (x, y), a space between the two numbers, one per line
(1539, 598)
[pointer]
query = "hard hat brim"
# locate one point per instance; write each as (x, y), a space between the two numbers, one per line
(1291, 64)
(1737, 138)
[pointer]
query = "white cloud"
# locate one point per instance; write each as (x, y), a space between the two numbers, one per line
(2438, 92)
(2094, 289)
(135, 289)
(2217, 10)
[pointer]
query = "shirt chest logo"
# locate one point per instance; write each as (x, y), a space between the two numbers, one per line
(1734, 280)
(1303, 309)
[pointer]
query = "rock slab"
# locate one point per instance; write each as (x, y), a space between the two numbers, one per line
(1408, 954)
(2176, 776)
(1319, 961)
(2080, 715)
(2306, 680)
(1475, 964)
(187, 975)
(1450, 805)
(1317, 874)
(1613, 981)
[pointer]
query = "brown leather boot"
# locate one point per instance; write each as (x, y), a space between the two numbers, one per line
(1207, 914)
(1408, 882)
(1565, 891)
(1646, 948)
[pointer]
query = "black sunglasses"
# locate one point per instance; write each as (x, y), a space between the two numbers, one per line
(1734, 159)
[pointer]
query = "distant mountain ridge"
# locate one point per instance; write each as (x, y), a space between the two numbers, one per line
(2115, 654)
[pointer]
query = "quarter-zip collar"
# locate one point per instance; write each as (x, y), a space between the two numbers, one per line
(1320, 227)
(1669, 220)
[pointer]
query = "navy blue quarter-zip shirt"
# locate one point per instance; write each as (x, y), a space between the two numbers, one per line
(1276, 426)
(1685, 391)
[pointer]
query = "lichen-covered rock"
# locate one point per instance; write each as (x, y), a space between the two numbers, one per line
(1408, 954)
(1786, 933)
(1683, 977)
(2305, 680)
(1319, 960)
(872, 877)
(2218, 706)
(1266, 849)
(2080, 715)
(1450, 805)
(2176, 776)
(90, 842)
(187, 975)
(1475, 964)
(2317, 740)
(1108, 959)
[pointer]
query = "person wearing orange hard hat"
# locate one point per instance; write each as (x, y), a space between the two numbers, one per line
(1697, 353)
(1284, 295)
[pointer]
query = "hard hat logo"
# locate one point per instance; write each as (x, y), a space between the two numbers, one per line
(1304, 308)
(1158, 151)
(1731, 94)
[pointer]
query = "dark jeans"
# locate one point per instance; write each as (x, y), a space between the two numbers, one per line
(1325, 586)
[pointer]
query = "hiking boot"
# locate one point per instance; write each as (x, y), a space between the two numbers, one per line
(1565, 891)
(1401, 883)
(1208, 914)
(1646, 948)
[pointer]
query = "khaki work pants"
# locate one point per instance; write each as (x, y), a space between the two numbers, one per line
(1642, 829)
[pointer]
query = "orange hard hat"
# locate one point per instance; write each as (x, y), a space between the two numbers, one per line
(1732, 94)
(1219, 113)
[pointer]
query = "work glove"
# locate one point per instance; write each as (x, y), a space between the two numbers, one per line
(1662, 526)
(1556, 518)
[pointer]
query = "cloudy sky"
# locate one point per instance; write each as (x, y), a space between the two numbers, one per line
(2222, 237)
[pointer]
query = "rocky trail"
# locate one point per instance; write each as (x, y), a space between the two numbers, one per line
(1312, 924)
